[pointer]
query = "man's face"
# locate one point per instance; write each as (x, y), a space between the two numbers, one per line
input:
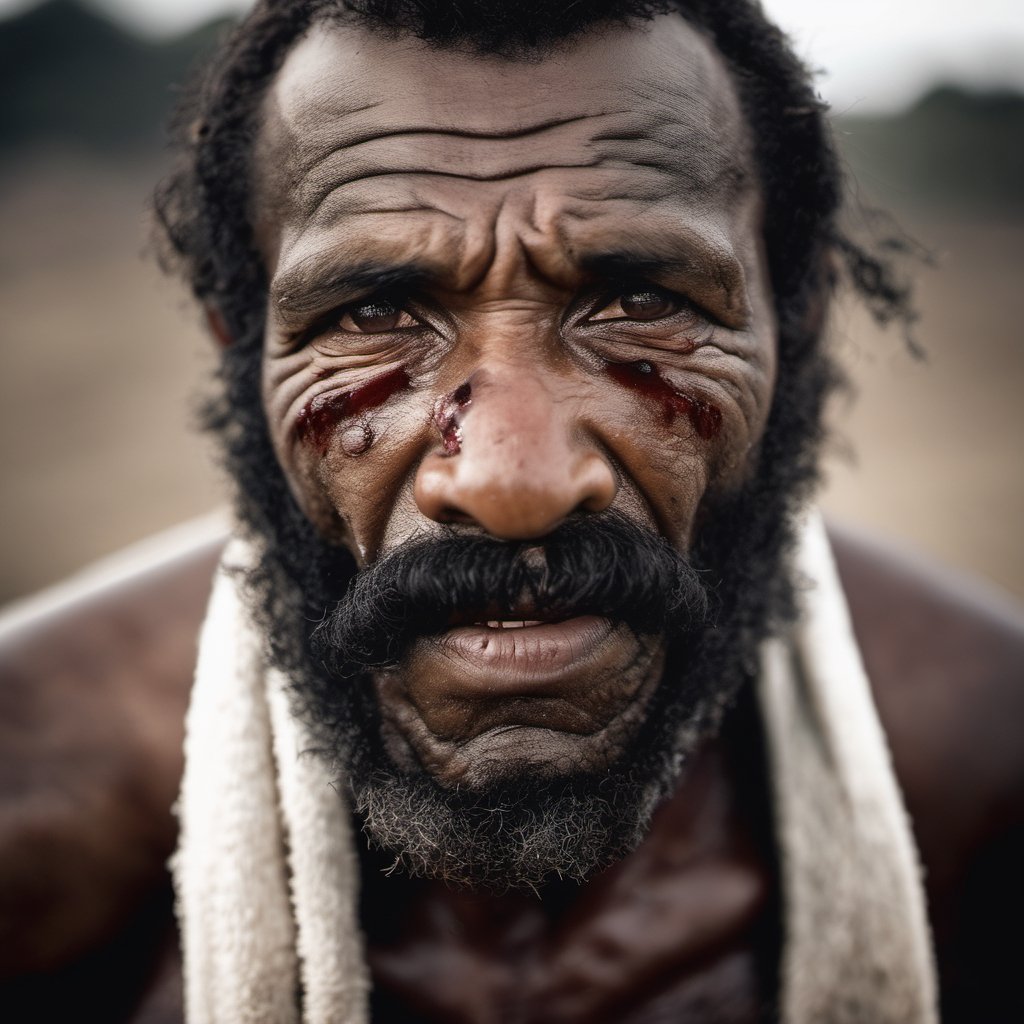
(504, 296)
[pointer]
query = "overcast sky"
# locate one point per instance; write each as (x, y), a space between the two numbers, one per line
(878, 54)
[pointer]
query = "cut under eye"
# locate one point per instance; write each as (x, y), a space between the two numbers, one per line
(375, 316)
(643, 303)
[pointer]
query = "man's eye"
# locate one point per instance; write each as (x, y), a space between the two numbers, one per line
(375, 316)
(641, 304)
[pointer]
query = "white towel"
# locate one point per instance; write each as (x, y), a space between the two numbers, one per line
(266, 871)
(857, 946)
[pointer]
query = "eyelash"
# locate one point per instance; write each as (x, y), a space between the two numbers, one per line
(401, 303)
(682, 304)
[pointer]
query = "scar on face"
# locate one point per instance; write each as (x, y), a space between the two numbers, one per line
(448, 413)
(320, 417)
(643, 377)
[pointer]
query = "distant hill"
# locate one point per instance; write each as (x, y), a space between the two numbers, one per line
(954, 149)
(69, 74)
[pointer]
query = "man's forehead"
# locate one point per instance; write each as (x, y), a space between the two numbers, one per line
(343, 85)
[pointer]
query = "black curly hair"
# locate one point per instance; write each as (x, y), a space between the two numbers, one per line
(202, 205)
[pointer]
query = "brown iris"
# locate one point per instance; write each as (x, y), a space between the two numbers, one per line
(374, 317)
(648, 305)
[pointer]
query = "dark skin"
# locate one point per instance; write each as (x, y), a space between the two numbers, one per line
(688, 925)
(518, 312)
(86, 897)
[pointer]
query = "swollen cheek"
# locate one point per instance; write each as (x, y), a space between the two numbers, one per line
(372, 492)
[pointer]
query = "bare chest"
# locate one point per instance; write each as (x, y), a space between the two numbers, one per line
(686, 928)
(703, 971)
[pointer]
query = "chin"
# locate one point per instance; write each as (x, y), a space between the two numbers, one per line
(518, 806)
(528, 825)
(553, 718)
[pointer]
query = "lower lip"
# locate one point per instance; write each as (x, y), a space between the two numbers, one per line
(538, 651)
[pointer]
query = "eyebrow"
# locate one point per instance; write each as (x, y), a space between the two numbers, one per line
(316, 285)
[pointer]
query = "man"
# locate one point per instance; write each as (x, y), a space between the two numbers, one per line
(521, 309)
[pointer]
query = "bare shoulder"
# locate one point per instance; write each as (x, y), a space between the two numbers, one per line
(94, 682)
(946, 660)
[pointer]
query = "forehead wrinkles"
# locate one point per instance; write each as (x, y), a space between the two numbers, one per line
(420, 152)
(349, 107)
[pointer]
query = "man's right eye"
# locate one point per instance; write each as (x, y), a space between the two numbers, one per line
(375, 316)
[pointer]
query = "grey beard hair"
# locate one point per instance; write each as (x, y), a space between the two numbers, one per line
(495, 842)
(524, 835)
(526, 826)
(509, 835)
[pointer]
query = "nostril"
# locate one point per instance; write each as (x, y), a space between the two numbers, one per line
(452, 514)
(596, 484)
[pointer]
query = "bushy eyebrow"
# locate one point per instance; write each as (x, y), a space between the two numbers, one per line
(319, 284)
(626, 263)
(307, 289)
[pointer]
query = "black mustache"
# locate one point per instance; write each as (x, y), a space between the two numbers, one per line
(605, 565)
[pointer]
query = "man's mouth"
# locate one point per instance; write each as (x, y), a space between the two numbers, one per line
(522, 657)
(524, 613)
(505, 691)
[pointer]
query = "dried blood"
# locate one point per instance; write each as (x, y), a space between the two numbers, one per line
(448, 417)
(319, 417)
(642, 376)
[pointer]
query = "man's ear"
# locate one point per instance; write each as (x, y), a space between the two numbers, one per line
(218, 325)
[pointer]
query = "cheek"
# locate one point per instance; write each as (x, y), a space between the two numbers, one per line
(681, 428)
(337, 439)
(340, 415)
(646, 380)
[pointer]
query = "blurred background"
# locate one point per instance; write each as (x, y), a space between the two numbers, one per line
(102, 360)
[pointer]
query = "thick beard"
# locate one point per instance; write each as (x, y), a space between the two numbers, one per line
(524, 834)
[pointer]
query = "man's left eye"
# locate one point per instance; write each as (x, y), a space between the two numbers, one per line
(375, 316)
(641, 304)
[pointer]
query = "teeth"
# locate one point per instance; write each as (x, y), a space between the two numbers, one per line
(512, 623)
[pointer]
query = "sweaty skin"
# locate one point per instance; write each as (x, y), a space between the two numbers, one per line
(549, 277)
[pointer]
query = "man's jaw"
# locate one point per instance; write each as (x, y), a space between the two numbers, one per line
(507, 787)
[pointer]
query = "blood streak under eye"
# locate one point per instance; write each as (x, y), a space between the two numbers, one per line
(318, 418)
(643, 377)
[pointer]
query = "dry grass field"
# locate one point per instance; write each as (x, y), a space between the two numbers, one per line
(102, 359)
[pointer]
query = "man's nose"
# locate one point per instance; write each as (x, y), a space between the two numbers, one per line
(516, 460)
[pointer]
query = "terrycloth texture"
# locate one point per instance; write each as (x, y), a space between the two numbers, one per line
(857, 946)
(266, 871)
